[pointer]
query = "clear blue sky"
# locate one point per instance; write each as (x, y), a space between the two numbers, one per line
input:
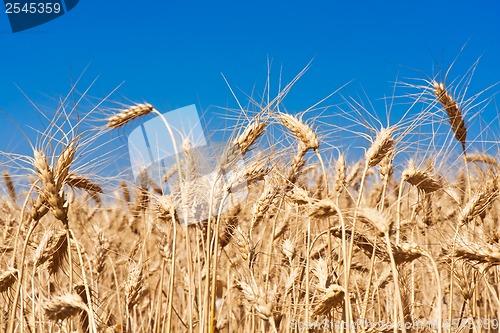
(171, 53)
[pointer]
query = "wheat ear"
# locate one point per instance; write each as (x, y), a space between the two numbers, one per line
(453, 111)
(64, 306)
(10, 186)
(125, 116)
(424, 180)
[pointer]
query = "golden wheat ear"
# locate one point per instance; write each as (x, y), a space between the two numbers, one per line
(422, 179)
(134, 112)
(453, 111)
(381, 147)
(64, 307)
(10, 186)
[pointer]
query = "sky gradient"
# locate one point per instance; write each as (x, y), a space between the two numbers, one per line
(172, 53)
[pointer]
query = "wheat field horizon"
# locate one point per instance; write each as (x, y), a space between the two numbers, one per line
(124, 218)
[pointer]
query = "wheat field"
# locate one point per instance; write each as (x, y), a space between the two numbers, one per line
(403, 237)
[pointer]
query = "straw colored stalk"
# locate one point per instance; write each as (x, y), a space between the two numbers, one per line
(453, 111)
(128, 115)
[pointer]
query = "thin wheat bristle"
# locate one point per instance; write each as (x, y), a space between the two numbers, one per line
(64, 306)
(129, 114)
(301, 130)
(453, 111)
(381, 147)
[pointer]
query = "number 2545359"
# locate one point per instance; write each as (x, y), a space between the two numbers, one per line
(32, 8)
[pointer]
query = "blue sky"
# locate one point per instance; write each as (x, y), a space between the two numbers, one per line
(172, 53)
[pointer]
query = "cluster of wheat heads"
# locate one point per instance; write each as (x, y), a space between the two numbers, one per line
(384, 240)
